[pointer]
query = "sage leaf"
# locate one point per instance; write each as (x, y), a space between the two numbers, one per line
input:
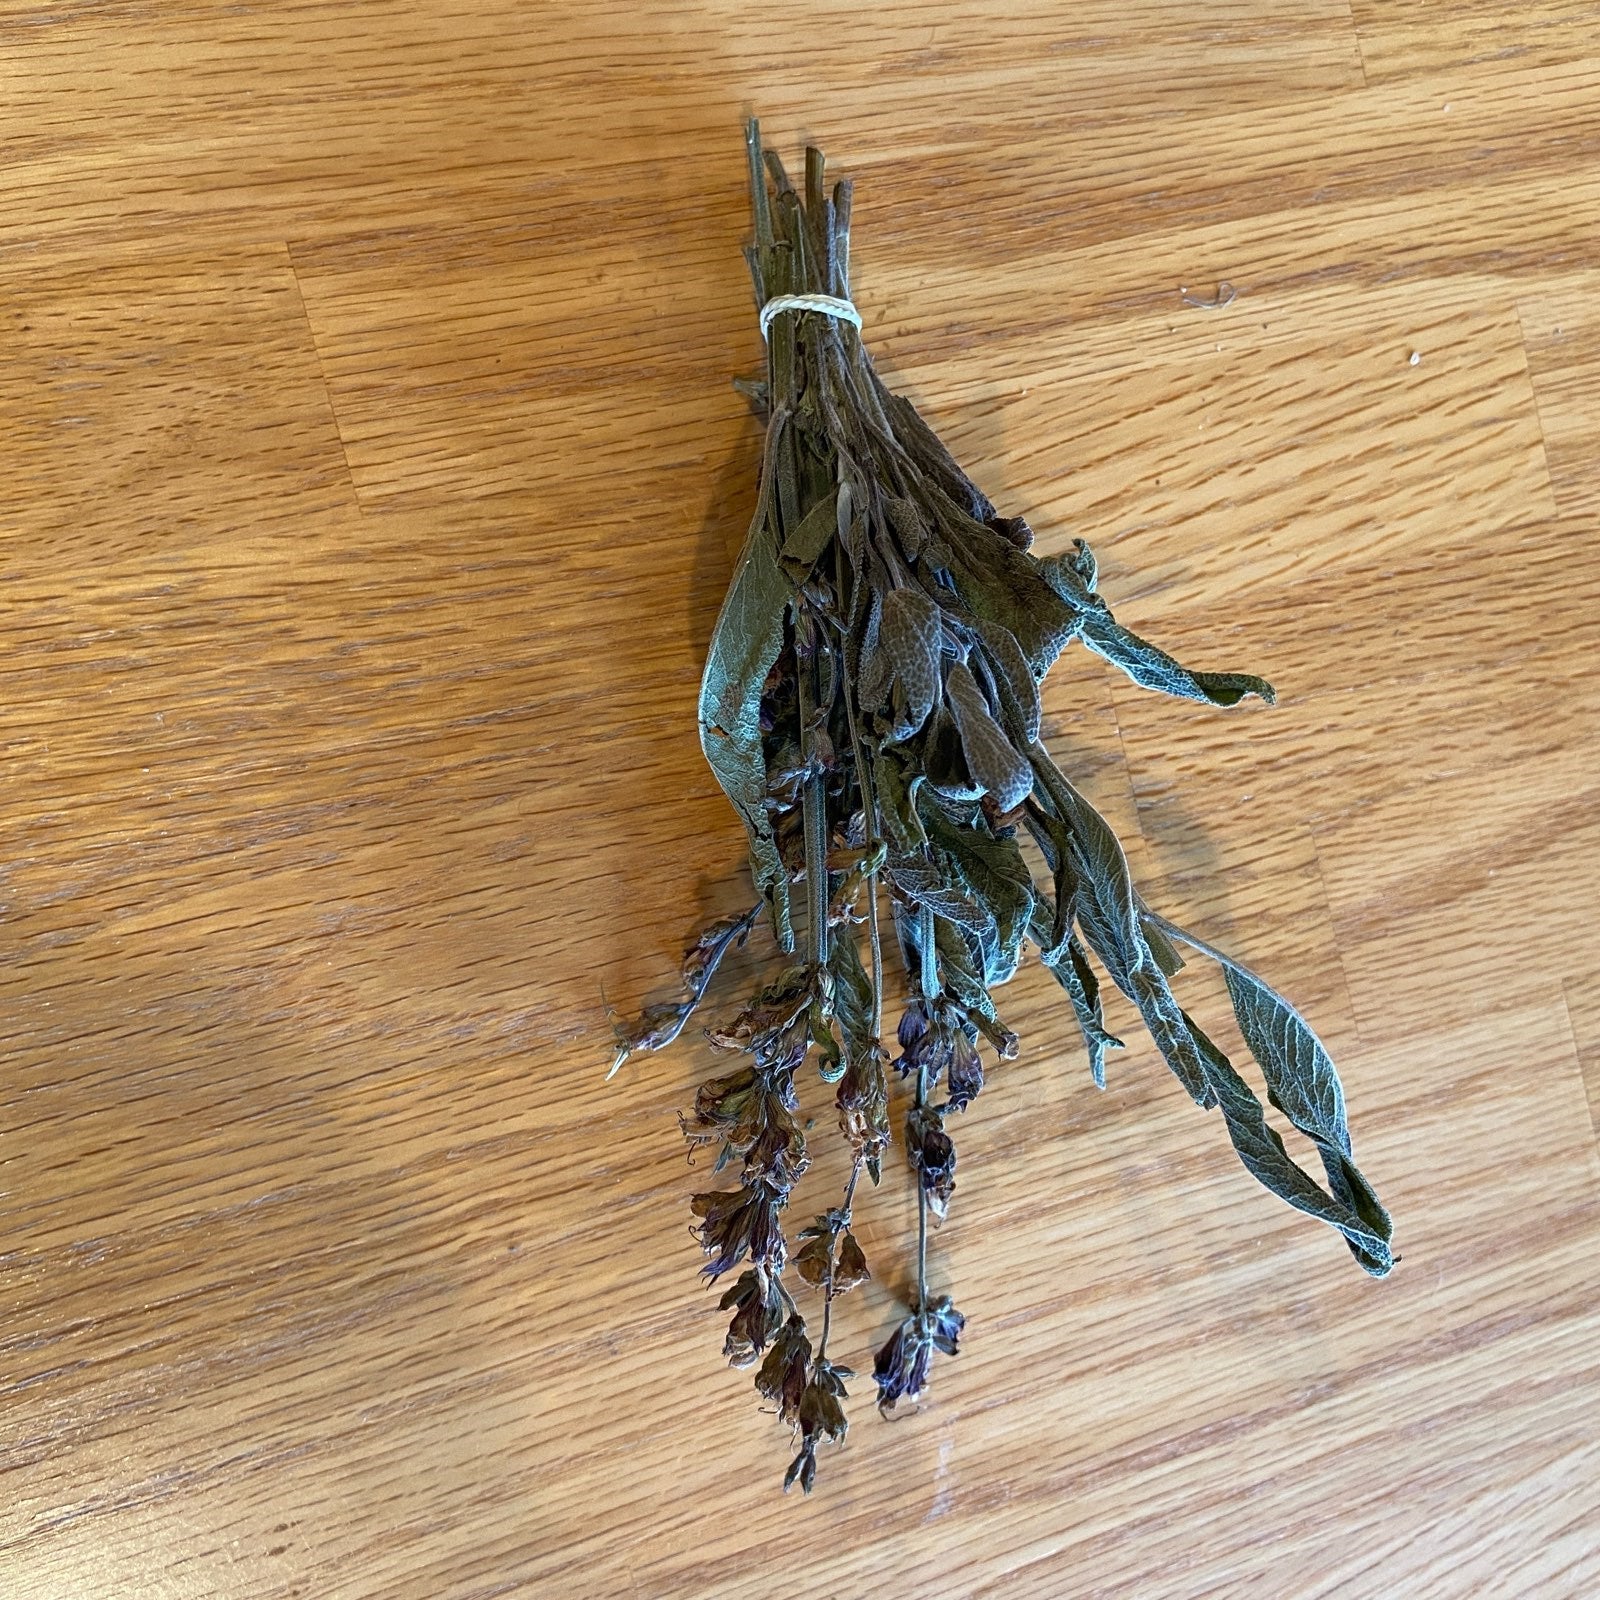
(1303, 1084)
(843, 510)
(744, 646)
(853, 1007)
(944, 760)
(963, 968)
(922, 882)
(908, 526)
(876, 669)
(990, 869)
(992, 759)
(896, 786)
(1168, 1024)
(1261, 1148)
(927, 451)
(1151, 668)
(812, 535)
(1019, 689)
(1099, 878)
(1082, 562)
(909, 635)
(1161, 947)
(1069, 966)
(1072, 577)
(998, 583)
(1106, 907)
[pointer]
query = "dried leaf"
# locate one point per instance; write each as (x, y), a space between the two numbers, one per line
(1303, 1084)
(1367, 1231)
(900, 663)
(744, 645)
(992, 759)
(1072, 578)
(992, 874)
(1019, 689)
(813, 534)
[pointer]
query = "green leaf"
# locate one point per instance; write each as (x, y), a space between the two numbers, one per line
(1303, 1084)
(908, 526)
(922, 883)
(1300, 1075)
(899, 682)
(1099, 1040)
(744, 645)
(897, 784)
(1261, 1149)
(1105, 906)
(1151, 668)
(852, 995)
(992, 759)
(944, 762)
(1104, 898)
(1168, 1024)
(1014, 679)
(927, 451)
(1001, 585)
(1050, 834)
(806, 542)
(830, 1059)
(990, 868)
(960, 965)
(1166, 957)
(1084, 564)
(1301, 1080)
(1072, 576)
(1069, 966)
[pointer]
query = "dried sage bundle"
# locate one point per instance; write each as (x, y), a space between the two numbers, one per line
(871, 707)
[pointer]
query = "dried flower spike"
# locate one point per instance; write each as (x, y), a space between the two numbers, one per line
(871, 707)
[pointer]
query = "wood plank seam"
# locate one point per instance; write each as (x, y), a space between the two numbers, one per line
(322, 370)
(1538, 411)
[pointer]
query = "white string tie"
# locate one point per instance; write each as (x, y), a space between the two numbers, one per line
(829, 305)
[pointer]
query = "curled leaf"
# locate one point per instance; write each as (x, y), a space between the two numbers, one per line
(1019, 690)
(900, 662)
(812, 535)
(992, 759)
(744, 646)
(1072, 578)
(1303, 1084)
(1366, 1229)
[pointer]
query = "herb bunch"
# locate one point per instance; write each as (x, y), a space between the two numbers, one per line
(871, 707)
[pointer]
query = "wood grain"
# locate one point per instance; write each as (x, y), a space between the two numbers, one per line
(373, 479)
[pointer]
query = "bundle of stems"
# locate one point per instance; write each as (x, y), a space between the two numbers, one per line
(871, 708)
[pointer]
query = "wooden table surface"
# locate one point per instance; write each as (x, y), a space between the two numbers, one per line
(372, 479)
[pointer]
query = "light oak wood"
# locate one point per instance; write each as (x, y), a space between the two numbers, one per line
(372, 480)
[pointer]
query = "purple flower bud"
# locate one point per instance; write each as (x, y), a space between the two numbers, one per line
(913, 1024)
(965, 1076)
(901, 1368)
(933, 1157)
(782, 1377)
(736, 1223)
(757, 1316)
